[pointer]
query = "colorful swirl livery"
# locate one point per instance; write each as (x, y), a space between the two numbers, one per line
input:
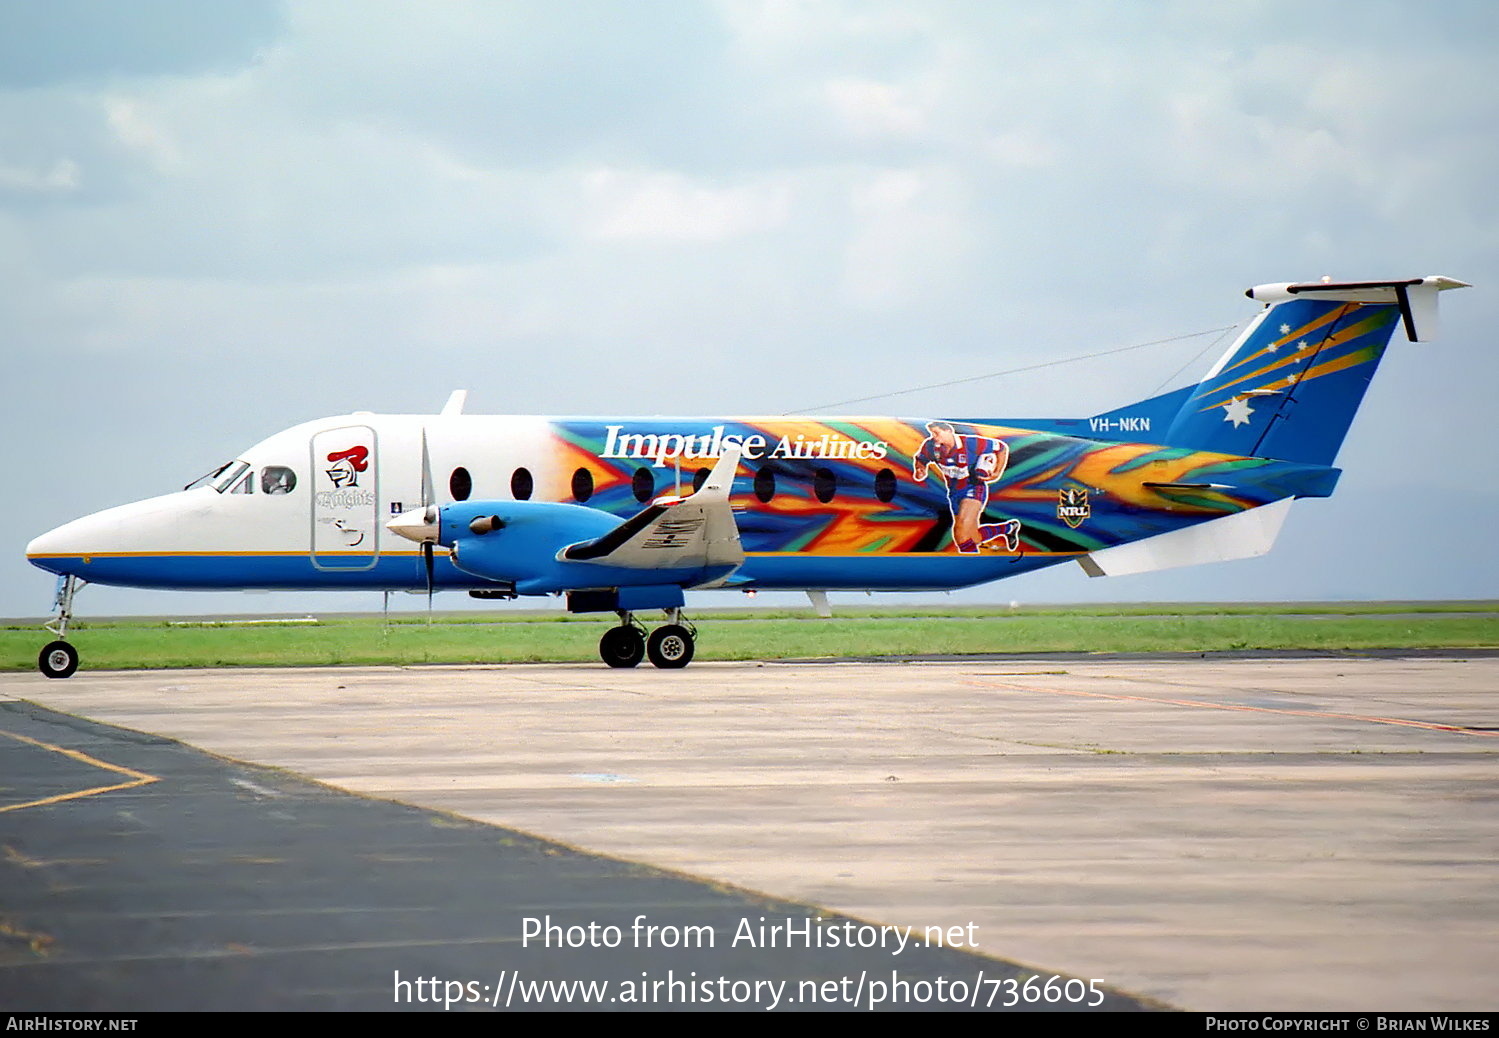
(624, 515)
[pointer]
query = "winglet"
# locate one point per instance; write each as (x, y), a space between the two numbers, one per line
(721, 479)
(455, 402)
(693, 532)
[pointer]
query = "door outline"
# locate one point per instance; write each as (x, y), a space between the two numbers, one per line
(341, 500)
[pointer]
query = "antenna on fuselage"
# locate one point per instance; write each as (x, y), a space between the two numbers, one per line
(455, 403)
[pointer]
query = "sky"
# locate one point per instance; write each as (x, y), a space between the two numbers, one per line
(220, 220)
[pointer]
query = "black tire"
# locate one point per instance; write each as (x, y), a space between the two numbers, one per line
(622, 647)
(670, 646)
(57, 660)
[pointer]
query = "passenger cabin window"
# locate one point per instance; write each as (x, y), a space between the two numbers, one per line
(277, 479)
(884, 485)
(699, 478)
(582, 485)
(460, 484)
(521, 485)
(824, 485)
(765, 483)
(643, 484)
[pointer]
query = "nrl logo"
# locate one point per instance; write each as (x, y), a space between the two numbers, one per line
(1073, 507)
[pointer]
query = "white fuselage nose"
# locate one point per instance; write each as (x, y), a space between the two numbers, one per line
(141, 527)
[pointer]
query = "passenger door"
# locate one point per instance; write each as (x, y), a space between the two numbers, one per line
(345, 499)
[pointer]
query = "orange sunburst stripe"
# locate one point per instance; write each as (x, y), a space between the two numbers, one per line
(1097, 469)
(570, 458)
(1301, 332)
(1350, 360)
(848, 527)
(1332, 342)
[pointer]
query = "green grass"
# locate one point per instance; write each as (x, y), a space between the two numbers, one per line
(766, 634)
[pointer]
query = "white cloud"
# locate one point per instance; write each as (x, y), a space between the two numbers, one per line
(910, 242)
(62, 175)
(869, 108)
(138, 128)
(1022, 149)
(654, 205)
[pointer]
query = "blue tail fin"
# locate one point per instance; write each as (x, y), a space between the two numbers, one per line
(1289, 387)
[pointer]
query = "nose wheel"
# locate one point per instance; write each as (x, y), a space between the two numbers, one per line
(59, 659)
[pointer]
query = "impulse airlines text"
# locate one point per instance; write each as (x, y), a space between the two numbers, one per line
(662, 448)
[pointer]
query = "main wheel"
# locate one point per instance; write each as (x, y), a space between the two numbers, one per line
(670, 646)
(58, 660)
(622, 647)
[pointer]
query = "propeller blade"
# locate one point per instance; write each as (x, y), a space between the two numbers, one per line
(429, 497)
(427, 562)
(429, 522)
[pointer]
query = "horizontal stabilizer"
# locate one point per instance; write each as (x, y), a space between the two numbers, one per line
(1242, 535)
(1187, 486)
(1416, 298)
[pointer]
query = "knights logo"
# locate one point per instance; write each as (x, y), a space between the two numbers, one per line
(346, 466)
(1073, 506)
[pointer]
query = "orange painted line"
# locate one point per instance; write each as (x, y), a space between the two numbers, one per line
(444, 551)
(1371, 719)
(139, 778)
(911, 554)
(439, 549)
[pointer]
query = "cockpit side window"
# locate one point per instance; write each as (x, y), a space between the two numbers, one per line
(277, 479)
(221, 478)
(208, 478)
(246, 485)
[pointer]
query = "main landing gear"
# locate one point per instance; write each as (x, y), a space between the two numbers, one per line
(59, 659)
(669, 646)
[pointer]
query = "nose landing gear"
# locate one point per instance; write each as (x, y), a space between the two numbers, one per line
(59, 659)
(670, 646)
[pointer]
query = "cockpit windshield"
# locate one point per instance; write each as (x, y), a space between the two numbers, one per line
(220, 478)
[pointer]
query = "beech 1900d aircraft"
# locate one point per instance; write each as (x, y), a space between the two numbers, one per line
(624, 515)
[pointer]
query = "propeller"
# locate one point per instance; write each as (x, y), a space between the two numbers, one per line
(429, 517)
(421, 524)
(429, 505)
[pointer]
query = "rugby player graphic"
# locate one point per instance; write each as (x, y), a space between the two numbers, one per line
(968, 464)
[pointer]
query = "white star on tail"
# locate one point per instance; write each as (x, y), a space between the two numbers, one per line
(1285, 329)
(1237, 411)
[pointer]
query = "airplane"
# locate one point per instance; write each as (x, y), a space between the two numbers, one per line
(624, 515)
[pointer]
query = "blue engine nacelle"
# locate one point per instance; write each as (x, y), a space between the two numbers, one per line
(520, 543)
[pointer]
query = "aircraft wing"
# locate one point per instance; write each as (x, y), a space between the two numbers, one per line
(698, 530)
